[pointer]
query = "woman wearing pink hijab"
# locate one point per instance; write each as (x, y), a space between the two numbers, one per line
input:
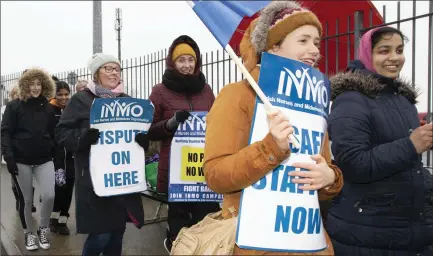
(386, 204)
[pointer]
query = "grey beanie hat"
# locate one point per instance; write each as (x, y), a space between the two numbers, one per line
(99, 59)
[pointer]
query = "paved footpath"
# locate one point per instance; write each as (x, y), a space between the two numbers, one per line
(146, 241)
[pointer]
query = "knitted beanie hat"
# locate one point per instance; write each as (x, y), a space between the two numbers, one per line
(183, 49)
(275, 22)
(100, 59)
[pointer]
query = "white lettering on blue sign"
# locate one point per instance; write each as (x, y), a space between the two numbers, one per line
(305, 86)
(194, 123)
(116, 109)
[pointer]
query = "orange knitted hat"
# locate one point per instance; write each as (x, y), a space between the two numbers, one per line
(275, 22)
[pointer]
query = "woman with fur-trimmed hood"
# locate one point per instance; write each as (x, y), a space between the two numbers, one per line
(386, 204)
(27, 134)
(285, 29)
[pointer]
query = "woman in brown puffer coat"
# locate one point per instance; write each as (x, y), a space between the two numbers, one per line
(183, 89)
(285, 29)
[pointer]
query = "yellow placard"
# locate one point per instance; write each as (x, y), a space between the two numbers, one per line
(192, 164)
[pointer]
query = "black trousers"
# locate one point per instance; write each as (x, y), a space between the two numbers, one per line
(182, 215)
(63, 194)
(63, 197)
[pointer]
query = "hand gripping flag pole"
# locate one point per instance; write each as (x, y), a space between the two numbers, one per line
(222, 19)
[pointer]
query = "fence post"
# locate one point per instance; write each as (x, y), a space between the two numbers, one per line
(2, 93)
(358, 28)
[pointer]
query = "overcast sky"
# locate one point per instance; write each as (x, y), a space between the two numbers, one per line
(57, 35)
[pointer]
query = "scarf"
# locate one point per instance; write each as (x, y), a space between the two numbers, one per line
(188, 84)
(102, 92)
(54, 103)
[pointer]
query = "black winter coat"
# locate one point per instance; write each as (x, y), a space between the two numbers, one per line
(27, 131)
(386, 204)
(94, 214)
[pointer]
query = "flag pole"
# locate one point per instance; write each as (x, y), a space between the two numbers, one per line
(253, 83)
(255, 86)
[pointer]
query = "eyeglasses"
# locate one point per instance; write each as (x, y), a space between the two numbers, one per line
(110, 69)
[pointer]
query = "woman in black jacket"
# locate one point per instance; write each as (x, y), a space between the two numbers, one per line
(386, 205)
(103, 218)
(27, 132)
(13, 95)
(64, 166)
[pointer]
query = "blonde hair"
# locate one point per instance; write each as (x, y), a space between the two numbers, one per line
(81, 82)
(13, 94)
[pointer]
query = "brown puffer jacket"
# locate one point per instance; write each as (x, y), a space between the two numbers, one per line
(231, 164)
(176, 92)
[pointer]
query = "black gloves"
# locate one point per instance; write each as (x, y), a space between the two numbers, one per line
(12, 167)
(142, 140)
(89, 137)
(179, 117)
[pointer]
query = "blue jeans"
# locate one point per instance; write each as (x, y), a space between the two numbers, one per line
(109, 244)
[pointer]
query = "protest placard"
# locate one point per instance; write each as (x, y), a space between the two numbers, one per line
(187, 180)
(117, 161)
(275, 215)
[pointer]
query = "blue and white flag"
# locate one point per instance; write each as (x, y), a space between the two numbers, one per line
(117, 161)
(223, 17)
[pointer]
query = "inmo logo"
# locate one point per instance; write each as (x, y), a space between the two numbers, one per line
(195, 123)
(117, 109)
(306, 87)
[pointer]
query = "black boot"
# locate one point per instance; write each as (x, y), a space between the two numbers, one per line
(62, 229)
(54, 223)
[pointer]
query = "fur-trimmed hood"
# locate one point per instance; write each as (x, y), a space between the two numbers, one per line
(48, 84)
(370, 84)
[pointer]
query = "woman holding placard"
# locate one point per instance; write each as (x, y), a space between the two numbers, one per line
(386, 205)
(183, 90)
(103, 218)
(285, 29)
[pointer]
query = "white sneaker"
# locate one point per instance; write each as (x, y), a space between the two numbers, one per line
(43, 234)
(30, 241)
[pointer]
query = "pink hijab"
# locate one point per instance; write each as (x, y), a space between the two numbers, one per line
(365, 50)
